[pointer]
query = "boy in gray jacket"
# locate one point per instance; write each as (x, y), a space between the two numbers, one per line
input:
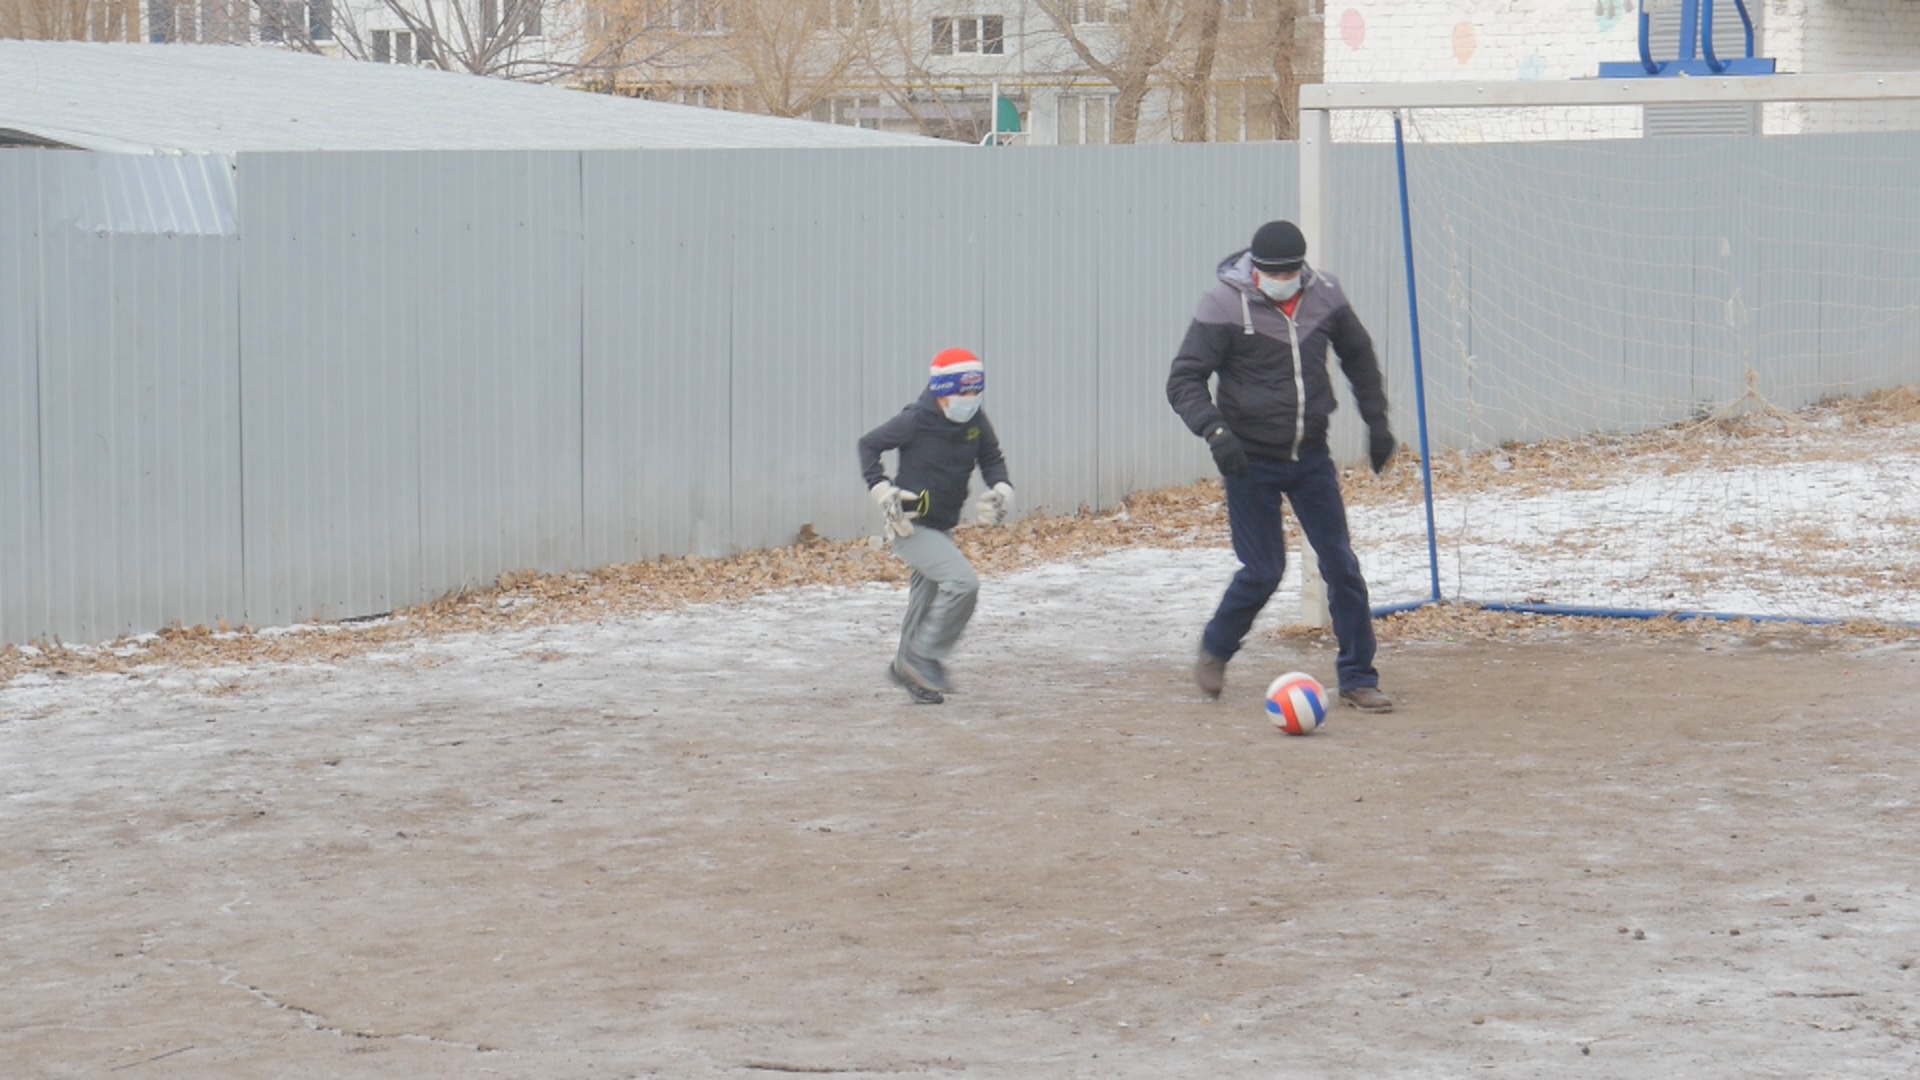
(942, 437)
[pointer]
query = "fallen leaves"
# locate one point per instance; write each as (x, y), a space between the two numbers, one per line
(1190, 516)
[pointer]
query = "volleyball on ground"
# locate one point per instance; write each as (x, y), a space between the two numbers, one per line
(1297, 703)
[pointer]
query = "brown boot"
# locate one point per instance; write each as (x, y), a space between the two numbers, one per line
(1367, 699)
(1209, 673)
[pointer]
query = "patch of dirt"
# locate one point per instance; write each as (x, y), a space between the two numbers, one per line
(1589, 858)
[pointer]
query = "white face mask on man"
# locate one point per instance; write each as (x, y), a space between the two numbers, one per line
(960, 407)
(1277, 289)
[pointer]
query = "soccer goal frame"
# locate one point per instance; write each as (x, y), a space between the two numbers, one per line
(1319, 105)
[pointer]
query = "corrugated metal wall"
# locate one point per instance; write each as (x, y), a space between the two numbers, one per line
(23, 567)
(750, 313)
(330, 366)
(660, 282)
(127, 398)
(1616, 286)
(295, 386)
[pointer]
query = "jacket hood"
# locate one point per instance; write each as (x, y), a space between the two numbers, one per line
(1237, 270)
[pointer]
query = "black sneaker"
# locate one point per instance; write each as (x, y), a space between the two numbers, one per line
(921, 695)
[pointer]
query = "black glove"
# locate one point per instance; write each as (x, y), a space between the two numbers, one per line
(1227, 451)
(1380, 447)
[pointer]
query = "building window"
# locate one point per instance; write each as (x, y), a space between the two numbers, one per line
(715, 96)
(392, 47)
(856, 14)
(295, 20)
(969, 35)
(275, 20)
(850, 111)
(1099, 11)
(220, 22)
(531, 23)
(700, 16)
(160, 27)
(1084, 118)
(1244, 112)
(230, 22)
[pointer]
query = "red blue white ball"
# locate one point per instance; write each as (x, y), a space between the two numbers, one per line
(1297, 703)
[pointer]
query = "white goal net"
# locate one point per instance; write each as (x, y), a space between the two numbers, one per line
(1652, 375)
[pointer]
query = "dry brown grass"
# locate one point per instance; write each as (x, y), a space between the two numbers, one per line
(1172, 518)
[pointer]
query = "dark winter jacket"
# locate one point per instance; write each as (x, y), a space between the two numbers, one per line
(1252, 345)
(937, 456)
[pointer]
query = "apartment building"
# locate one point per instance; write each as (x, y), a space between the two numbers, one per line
(1064, 71)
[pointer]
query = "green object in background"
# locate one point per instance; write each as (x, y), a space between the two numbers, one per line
(1006, 116)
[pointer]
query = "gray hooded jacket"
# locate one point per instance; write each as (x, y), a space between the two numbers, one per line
(1274, 390)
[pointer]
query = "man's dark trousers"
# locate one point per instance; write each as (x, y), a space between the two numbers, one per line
(1312, 487)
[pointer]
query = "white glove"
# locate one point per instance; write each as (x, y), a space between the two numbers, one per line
(889, 499)
(995, 505)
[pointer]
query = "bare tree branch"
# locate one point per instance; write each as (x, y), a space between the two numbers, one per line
(896, 63)
(1197, 90)
(70, 20)
(1129, 54)
(794, 54)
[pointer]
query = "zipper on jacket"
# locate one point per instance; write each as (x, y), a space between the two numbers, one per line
(1299, 388)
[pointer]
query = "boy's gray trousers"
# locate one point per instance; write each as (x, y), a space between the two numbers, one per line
(940, 598)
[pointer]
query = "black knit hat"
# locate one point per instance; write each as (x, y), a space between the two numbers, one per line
(1278, 248)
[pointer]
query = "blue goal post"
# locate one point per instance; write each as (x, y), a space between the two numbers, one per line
(1319, 186)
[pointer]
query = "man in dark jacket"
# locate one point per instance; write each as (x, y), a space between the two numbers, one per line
(1264, 329)
(942, 438)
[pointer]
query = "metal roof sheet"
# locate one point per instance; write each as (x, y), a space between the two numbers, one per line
(227, 99)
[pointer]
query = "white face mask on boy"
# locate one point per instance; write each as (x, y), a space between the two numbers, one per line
(960, 407)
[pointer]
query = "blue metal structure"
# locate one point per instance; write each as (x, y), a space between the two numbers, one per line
(1696, 55)
(1419, 373)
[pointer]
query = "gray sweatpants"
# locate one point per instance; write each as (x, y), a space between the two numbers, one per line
(940, 597)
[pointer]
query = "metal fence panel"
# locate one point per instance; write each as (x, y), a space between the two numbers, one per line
(838, 236)
(1044, 262)
(1168, 216)
(138, 393)
(917, 264)
(498, 293)
(330, 365)
(301, 386)
(1364, 252)
(1574, 287)
(660, 280)
(1844, 275)
(23, 566)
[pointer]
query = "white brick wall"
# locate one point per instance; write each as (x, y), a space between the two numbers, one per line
(1425, 40)
(1420, 40)
(1844, 35)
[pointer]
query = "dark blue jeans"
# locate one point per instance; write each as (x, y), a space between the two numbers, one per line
(1253, 513)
